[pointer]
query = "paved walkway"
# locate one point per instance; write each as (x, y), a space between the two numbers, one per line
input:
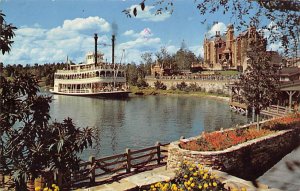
(142, 180)
(285, 175)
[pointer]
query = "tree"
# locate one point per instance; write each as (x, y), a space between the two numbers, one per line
(166, 59)
(131, 74)
(283, 16)
(29, 143)
(147, 61)
(260, 82)
(184, 59)
(6, 34)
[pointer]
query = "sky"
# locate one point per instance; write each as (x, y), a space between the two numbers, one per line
(51, 30)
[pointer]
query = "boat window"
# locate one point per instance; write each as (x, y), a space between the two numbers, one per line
(97, 74)
(102, 73)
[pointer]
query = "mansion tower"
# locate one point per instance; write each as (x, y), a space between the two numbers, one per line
(223, 52)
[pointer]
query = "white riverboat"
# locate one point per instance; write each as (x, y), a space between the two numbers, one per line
(94, 77)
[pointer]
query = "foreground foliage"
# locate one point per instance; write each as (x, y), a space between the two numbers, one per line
(30, 144)
(191, 177)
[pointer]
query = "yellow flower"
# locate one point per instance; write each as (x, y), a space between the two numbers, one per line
(185, 176)
(167, 180)
(200, 186)
(215, 184)
(244, 189)
(212, 177)
(46, 189)
(53, 185)
(192, 185)
(152, 186)
(191, 169)
(37, 188)
(195, 174)
(205, 185)
(191, 179)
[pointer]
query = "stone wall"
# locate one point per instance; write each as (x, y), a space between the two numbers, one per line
(247, 160)
(206, 85)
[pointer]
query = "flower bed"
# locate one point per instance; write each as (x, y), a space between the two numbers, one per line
(220, 140)
(191, 177)
(247, 159)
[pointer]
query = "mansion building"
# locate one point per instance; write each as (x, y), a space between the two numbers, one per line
(224, 52)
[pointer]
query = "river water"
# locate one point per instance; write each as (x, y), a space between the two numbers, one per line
(142, 121)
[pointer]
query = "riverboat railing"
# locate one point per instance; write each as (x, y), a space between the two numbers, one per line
(114, 166)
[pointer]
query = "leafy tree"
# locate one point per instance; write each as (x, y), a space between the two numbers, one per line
(282, 14)
(29, 143)
(6, 34)
(147, 61)
(165, 58)
(184, 59)
(260, 81)
(131, 74)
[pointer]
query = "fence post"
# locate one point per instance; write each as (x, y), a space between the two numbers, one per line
(158, 152)
(1, 179)
(128, 165)
(59, 179)
(92, 169)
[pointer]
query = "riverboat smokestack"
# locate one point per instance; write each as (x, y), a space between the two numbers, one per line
(113, 38)
(96, 42)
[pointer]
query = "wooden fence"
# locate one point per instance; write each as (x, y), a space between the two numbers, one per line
(276, 111)
(115, 165)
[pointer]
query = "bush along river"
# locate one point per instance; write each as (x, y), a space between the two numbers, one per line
(142, 121)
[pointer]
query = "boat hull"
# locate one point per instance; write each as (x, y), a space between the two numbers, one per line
(114, 94)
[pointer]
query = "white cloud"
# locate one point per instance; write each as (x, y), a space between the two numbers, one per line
(90, 23)
(272, 30)
(73, 38)
(197, 50)
(128, 33)
(217, 27)
(149, 14)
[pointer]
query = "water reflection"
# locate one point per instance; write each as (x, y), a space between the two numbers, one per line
(141, 121)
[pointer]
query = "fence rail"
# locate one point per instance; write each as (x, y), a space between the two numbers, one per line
(116, 165)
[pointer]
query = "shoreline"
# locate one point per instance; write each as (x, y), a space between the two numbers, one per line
(154, 92)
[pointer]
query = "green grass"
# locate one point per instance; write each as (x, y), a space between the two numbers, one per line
(228, 72)
(153, 91)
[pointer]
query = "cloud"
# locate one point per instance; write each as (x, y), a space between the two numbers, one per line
(271, 31)
(128, 33)
(149, 14)
(73, 38)
(90, 23)
(197, 50)
(216, 27)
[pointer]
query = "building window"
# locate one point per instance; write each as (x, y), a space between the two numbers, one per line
(220, 45)
(220, 56)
